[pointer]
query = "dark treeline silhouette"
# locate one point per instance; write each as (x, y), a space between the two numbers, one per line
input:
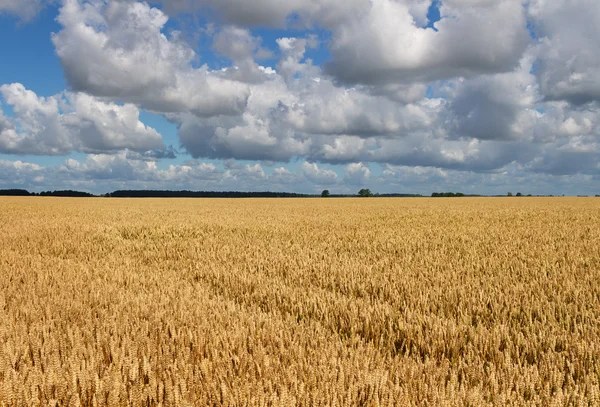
(14, 192)
(447, 194)
(23, 192)
(67, 193)
(202, 194)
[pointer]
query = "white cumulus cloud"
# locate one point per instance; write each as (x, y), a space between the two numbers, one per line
(58, 125)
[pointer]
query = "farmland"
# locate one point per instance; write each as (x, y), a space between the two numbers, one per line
(300, 302)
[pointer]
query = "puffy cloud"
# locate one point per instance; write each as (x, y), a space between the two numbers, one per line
(277, 13)
(293, 50)
(248, 137)
(16, 174)
(317, 175)
(103, 172)
(24, 9)
(386, 45)
(241, 47)
(153, 155)
(466, 155)
(7, 128)
(357, 174)
(282, 176)
(236, 43)
(291, 13)
(342, 149)
(298, 113)
(472, 95)
(569, 52)
(254, 172)
(424, 180)
(118, 167)
(574, 147)
(327, 109)
(58, 125)
(117, 49)
(495, 107)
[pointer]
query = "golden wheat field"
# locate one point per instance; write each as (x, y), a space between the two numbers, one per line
(300, 302)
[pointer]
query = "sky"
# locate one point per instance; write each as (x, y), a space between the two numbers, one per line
(398, 96)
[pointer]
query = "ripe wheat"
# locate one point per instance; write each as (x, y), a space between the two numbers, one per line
(307, 302)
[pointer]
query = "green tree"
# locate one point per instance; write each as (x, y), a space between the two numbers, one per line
(365, 193)
(519, 194)
(510, 194)
(325, 193)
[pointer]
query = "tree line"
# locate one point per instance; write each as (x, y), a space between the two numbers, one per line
(63, 193)
(365, 193)
(201, 194)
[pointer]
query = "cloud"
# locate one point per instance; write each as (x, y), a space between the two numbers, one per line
(296, 112)
(121, 168)
(23, 9)
(495, 107)
(58, 125)
(169, 153)
(465, 155)
(100, 173)
(513, 178)
(474, 94)
(103, 172)
(327, 109)
(19, 173)
(357, 174)
(317, 175)
(275, 13)
(7, 128)
(386, 45)
(241, 48)
(249, 137)
(117, 50)
(282, 176)
(342, 149)
(569, 51)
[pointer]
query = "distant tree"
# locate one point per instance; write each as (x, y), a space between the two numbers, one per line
(67, 193)
(325, 193)
(365, 193)
(447, 195)
(529, 195)
(202, 194)
(510, 194)
(14, 192)
(519, 194)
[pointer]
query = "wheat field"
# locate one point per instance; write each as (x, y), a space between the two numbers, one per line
(300, 302)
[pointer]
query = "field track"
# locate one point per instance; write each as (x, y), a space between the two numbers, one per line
(300, 302)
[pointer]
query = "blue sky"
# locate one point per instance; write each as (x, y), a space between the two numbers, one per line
(395, 95)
